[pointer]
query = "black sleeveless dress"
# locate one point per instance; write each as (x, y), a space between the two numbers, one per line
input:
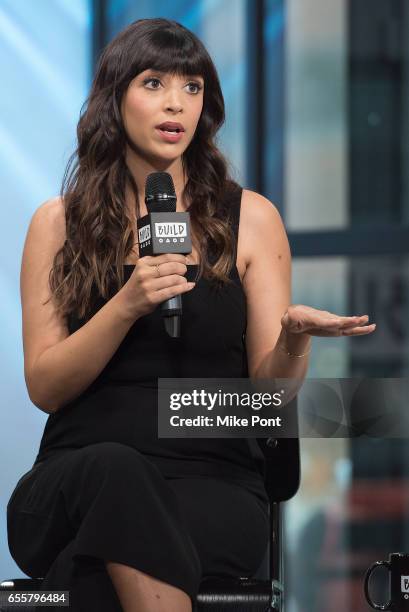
(121, 404)
(105, 487)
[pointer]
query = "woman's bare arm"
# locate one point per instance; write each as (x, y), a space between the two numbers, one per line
(57, 366)
(275, 326)
(267, 283)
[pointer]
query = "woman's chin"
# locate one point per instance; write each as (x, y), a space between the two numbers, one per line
(166, 155)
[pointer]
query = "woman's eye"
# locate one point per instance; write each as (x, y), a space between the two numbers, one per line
(146, 81)
(198, 87)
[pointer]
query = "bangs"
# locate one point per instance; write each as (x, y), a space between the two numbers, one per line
(172, 53)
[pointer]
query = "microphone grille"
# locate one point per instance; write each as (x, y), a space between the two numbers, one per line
(160, 192)
(159, 182)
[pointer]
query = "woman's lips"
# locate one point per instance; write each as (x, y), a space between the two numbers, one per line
(170, 136)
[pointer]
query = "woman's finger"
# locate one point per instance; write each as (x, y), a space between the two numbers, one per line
(355, 322)
(169, 280)
(354, 331)
(331, 333)
(359, 331)
(341, 323)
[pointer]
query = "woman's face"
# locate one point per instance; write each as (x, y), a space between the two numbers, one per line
(153, 98)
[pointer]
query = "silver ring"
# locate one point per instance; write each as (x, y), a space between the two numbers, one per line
(157, 267)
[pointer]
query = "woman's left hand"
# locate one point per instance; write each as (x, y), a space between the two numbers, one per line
(301, 319)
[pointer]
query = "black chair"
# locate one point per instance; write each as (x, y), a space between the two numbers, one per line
(261, 593)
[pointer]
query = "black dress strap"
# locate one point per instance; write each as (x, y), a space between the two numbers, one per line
(230, 211)
(235, 207)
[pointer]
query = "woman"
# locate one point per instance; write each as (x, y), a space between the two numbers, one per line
(110, 512)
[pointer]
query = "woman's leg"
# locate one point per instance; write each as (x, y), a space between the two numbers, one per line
(139, 592)
(104, 502)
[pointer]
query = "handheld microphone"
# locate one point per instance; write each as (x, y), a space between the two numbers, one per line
(163, 230)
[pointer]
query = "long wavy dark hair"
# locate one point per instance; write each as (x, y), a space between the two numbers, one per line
(99, 234)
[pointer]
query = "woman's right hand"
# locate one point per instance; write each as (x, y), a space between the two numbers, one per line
(145, 289)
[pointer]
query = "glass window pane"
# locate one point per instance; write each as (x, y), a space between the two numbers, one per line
(316, 127)
(351, 509)
(347, 119)
(374, 285)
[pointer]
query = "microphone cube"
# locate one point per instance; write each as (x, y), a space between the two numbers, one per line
(164, 232)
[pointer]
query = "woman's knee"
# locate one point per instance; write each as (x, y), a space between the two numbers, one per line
(108, 470)
(113, 457)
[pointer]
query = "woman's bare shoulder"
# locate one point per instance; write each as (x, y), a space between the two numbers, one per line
(54, 205)
(257, 207)
(51, 215)
(259, 221)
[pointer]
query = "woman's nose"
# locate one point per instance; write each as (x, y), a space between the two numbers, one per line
(174, 107)
(173, 101)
